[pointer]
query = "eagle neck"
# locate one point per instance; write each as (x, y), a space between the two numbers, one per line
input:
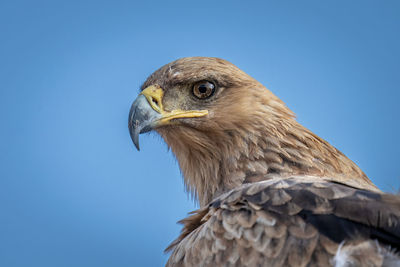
(213, 163)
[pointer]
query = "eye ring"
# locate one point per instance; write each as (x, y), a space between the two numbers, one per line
(203, 89)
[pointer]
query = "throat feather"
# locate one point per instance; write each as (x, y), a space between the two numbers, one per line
(213, 163)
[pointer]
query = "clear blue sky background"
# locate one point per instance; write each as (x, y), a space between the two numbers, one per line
(75, 192)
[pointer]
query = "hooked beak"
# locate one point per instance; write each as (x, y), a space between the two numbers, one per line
(147, 113)
(142, 119)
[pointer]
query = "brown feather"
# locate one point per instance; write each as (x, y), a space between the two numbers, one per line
(271, 237)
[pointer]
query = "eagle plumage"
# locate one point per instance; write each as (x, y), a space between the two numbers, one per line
(271, 192)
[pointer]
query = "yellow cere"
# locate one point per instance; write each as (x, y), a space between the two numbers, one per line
(154, 95)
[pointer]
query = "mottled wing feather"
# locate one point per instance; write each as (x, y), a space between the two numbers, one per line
(290, 222)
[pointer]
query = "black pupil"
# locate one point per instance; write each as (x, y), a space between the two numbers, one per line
(203, 89)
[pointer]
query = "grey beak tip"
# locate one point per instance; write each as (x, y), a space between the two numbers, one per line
(136, 142)
(134, 133)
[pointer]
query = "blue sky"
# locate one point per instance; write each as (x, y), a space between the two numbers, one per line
(75, 192)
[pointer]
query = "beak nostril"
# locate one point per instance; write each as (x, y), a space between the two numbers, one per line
(155, 101)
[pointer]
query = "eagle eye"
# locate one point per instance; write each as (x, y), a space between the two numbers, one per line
(203, 89)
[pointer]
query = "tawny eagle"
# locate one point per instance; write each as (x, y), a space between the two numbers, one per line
(271, 192)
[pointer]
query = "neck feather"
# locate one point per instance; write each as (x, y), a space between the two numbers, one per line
(262, 143)
(212, 163)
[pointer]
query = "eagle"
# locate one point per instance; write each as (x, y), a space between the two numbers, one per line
(271, 192)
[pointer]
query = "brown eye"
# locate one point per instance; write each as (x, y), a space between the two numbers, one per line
(203, 90)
